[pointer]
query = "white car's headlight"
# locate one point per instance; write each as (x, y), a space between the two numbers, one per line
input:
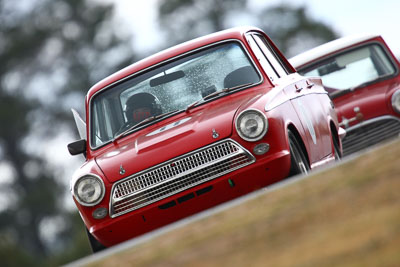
(396, 101)
(251, 125)
(89, 190)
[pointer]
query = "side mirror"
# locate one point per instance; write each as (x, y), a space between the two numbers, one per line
(77, 147)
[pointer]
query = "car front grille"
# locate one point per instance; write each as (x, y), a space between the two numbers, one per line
(369, 133)
(177, 175)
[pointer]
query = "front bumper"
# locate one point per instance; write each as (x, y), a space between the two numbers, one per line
(264, 171)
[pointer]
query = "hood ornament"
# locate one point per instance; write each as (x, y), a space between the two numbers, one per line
(121, 170)
(215, 134)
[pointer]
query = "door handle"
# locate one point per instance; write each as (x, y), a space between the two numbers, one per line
(309, 85)
(298, 88)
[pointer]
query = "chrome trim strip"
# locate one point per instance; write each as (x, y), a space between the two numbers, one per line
(184, 176)
(323, 162)
(367, 122)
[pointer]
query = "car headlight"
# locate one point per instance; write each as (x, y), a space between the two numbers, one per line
(251, 125)
(396, 101)
(89, 190)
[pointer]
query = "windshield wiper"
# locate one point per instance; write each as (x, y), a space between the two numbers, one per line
(226, 90)
(223, 91)
(141, 123)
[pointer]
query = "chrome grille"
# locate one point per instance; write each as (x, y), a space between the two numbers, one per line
(177, 175)
(369, 133)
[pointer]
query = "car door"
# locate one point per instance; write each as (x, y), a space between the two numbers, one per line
(307, 102)
(302, 92)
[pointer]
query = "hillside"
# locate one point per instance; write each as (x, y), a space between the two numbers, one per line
(348, 215)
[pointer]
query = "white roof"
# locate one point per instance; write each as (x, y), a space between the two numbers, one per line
(328, 48)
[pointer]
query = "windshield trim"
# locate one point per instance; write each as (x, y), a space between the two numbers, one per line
(319, 62)
(133, 75)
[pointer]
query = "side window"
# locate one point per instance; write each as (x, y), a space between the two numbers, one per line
(360, 65)
(98, 131)
(266, 65)
(102, 131)
(272, 57)
(107, 121)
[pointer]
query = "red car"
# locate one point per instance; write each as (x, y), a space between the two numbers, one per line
(192, 127)
(362, 77)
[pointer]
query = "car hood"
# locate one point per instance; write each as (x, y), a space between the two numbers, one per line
(172, 137)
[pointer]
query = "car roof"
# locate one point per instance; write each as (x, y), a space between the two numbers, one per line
(328, 48)
(232, 33)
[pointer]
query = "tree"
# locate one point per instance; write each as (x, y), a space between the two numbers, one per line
(51, 52)
(292, 29)
(183, 20)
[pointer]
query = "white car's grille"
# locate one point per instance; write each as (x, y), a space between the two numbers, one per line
(369, 133)
(177, 175)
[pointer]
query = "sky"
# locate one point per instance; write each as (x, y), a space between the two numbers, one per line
(345, 16)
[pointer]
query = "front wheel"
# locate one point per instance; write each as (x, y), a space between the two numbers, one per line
(95, 245)
(336, 148)
(298, 160)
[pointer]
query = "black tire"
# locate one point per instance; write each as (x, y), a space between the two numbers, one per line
(336, 148)
(298, 160)
(95, 245)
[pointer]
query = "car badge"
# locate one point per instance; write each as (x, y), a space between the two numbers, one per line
(121, 170)
(215, 135)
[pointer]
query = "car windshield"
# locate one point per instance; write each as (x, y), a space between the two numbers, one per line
(352, 69)
(168, 88)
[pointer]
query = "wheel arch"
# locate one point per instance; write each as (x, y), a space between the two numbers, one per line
(336, 138)
(334, 131)
(296, 133)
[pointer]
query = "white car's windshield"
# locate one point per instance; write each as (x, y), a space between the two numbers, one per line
(169, 87)
(352, 69)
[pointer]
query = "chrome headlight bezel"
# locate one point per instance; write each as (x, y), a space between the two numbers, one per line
(396, 101)
(257, 117)
(90, 180)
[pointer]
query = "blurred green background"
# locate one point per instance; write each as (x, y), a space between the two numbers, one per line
(51, 53)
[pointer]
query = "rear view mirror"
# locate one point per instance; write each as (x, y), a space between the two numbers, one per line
(329, 68)
(167, 78)
(77, 147)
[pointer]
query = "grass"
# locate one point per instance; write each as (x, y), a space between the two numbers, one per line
(345, 216)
